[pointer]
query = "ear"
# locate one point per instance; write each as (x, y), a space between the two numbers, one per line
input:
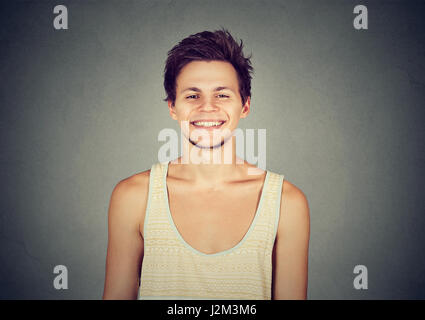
(172, 109)
(246, 108)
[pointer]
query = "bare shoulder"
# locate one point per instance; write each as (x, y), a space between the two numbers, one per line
(131, 195)
(290, 255)
(294, 210)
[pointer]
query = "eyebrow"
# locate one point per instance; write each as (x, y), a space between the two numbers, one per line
(199, 90)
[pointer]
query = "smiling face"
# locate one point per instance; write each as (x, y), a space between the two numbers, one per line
(209, 102)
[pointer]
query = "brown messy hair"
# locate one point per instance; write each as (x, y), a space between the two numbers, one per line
(207, 46)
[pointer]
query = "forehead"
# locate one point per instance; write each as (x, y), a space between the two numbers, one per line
(208, 74)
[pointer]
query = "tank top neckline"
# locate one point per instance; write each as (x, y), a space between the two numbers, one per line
(223, 252)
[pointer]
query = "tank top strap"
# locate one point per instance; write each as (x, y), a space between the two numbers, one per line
(265, 227)
(274, 196)
(156, 202)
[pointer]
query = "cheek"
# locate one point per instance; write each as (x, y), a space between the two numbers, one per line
(236, 114)
(181, 111)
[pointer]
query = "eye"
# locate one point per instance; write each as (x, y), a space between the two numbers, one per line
(223, 96)
(193, 96)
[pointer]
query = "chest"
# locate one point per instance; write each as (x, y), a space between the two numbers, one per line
(212, 221)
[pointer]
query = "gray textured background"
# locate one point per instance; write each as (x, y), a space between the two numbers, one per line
(81, 109)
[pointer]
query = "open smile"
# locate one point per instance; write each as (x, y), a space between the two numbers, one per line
(208, 124)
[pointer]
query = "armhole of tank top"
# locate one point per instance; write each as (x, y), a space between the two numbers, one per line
(148, 205)
(278, 202)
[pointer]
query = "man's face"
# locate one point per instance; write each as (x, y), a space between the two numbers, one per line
(208, 101)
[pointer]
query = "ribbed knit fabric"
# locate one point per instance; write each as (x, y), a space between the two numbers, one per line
(172, 269)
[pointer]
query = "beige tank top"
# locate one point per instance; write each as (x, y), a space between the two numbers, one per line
(172, 269)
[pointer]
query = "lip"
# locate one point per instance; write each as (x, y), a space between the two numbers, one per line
(207, 120)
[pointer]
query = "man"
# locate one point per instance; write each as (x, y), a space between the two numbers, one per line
(207, 228)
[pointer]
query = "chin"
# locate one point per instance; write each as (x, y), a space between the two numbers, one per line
(211, 146)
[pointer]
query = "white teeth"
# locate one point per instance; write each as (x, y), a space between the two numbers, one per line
(208, 124)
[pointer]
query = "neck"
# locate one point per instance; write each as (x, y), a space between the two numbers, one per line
(210, 165)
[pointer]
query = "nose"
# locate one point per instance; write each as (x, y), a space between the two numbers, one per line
(208, 104)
